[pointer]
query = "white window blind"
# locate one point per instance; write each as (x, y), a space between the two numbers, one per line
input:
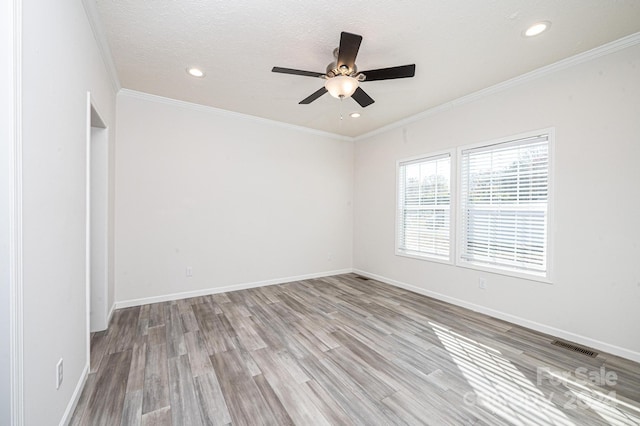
(504, 205)
(424, 214)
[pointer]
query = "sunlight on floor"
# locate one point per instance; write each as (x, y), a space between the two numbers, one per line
(498, 385)
(606, 404)
(503, 389)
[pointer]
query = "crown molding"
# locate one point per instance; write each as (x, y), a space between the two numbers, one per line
(589, 55)
(228, 114)
(93, 16)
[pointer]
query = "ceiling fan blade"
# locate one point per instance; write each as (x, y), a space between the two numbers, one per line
(315, 95)
(297, 72)
(361, 97)
(348, 50)
(403, 71)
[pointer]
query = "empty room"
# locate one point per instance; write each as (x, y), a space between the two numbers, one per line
(301, 213)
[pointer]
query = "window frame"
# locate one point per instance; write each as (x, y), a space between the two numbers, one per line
(496, 269)
(452, 201)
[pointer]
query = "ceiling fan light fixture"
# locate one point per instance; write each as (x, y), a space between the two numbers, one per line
(341, 86)
(342, 78)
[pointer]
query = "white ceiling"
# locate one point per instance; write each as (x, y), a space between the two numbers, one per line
(458, 46)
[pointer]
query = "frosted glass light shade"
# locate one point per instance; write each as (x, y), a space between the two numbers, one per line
(341, 86)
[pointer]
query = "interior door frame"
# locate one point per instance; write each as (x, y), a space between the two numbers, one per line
(94, 121)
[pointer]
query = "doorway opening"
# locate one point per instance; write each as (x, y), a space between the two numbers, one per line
(97, 271)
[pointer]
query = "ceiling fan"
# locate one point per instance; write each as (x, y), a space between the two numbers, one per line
(342, 76)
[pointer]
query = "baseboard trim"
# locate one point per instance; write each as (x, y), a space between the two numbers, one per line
(75, 397)
(214, 290)
(543, 328)
(113, 308)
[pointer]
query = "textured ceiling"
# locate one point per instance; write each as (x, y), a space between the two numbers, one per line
(459, 47)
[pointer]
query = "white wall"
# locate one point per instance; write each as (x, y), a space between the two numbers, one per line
(6, 206)
(240, 200)
(61, 62)
(595, 109)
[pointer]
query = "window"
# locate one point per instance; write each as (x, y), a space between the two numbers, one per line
(424, 213)
(504, 206)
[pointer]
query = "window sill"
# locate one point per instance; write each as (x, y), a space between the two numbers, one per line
(424, 257)
(505, 271)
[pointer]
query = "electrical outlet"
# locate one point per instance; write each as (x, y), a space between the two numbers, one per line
(189, 271)
(59, 374)
(482, 284)
(329, 256)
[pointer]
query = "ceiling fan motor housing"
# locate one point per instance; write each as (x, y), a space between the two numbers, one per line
(333, 70)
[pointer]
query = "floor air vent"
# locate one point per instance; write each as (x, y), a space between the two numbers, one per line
(360, 277)
(575, 348)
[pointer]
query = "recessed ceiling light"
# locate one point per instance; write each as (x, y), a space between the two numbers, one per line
(195, 72)
(354, 115)
(537, 28)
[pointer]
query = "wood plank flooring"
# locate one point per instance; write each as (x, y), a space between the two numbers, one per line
(342, 351)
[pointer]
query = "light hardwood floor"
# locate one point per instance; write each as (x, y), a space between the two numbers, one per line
(342, 351)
